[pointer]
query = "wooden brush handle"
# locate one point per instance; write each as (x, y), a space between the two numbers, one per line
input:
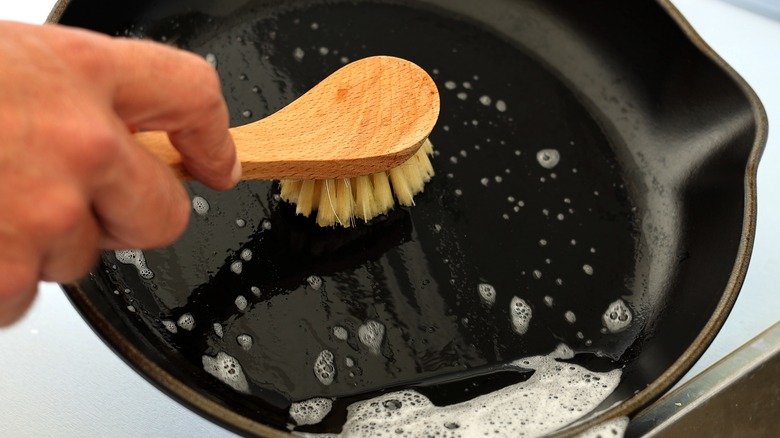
(367, 117)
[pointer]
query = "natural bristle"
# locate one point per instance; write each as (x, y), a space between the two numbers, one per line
(341, 201)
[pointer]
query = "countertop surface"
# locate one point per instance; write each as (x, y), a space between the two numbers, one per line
(57, 378)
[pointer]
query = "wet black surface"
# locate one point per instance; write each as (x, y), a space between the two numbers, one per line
(641, 205)
(492, 215)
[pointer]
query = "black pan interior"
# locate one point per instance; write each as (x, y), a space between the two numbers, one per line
(646, 204)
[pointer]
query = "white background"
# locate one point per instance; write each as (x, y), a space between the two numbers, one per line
(58, 379)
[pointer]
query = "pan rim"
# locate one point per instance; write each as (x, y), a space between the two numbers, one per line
(243, 425)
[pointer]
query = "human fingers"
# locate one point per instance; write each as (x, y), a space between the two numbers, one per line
(20, 281)
(177, 92)
(140, 204)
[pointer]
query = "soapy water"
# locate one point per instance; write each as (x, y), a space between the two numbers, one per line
(521, 314)
(617, 317)
(480, 99)
(548, 158)
(245, 341)
(314, 281)
(615, 428)
(556, 395)
(371, 334)
(136, 258)
(487, 294)
(227, 369)
(186, 322)
(200, 205)
(310, 411)
(325, 367)
(170, 326)
(340, 333)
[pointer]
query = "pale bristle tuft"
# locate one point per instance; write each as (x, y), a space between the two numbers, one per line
(341, 201)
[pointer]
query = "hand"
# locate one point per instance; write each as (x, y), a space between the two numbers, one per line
(72, 179)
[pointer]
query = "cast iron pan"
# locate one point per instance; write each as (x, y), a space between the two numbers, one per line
(652, 201)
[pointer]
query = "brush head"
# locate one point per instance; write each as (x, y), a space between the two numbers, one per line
(344, 200)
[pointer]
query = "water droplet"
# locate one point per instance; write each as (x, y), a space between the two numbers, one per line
(314, 281)
(548, 158)
(170, 326)
(325, 367)
(211, 59)
(186, 322)
(371, 334)
(298, 54)
(245, 341)
(487, 293)
(340, 333)
(617, 316)
(200, 205)
(241, 303)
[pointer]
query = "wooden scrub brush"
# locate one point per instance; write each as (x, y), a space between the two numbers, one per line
(349, 148)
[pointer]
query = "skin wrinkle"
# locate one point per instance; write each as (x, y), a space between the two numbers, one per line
(72, 178)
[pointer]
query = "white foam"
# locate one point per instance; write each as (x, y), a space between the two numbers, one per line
(241, 303)
(340, 333)
(136, 258)
(521, 314)
(462, 95)
(487, 293)
(571, 318)
(237, 267)
(548, 301)
(169, 325)
(450, 85)
(615, 428)
(266, 225)
(324, 51)
(485, 100)
(211, 59)
(298, 54)
(371, 334)
(325, 367)
(310, 411)
(548, 158)
(314, 281)
(218, 329)
(501, 106)
(200, 205)
(227, 369)
(246, 255)
(240, 223)
(255, 291)
(555, 396)
(617, 316)
(186, 322)
(588, 269)
(245, 341)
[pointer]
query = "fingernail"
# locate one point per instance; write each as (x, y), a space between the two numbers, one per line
(237, 171)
